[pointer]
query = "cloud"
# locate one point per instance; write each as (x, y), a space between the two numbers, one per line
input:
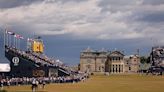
(153, 2)
(87, 19)
(72, 25)
(4, 4)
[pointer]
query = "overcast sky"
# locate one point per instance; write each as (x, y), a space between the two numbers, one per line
(70, 26)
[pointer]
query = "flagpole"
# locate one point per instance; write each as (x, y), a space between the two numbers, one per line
(4, 39)
(7, 39)
(19, 44)
(18, 41)
(27, 44)
(14, 40)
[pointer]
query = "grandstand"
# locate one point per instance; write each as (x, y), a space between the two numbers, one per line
(32, 62)
(157, 59)
(157, 56)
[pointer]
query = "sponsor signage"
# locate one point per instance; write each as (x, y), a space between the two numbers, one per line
(15, 60)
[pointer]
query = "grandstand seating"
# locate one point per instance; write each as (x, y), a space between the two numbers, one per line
(37, 60)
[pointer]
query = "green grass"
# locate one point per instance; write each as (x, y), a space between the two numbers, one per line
(100, 83)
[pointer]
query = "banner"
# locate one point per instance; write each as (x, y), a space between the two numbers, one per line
(37, 46)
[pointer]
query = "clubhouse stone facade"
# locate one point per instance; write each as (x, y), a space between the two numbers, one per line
(103, 61)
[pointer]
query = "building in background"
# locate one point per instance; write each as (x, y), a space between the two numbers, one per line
(157, 56)
(93, 61)
(102, 61)
(132, 64)
(115, 62)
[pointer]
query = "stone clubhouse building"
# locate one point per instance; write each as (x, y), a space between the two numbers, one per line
(103, 61)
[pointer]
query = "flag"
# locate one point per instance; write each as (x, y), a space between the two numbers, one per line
(18, 36)
(29, 39)
(21, 37)
(9, 32)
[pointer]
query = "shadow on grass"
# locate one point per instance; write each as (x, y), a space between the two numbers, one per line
(3, 91)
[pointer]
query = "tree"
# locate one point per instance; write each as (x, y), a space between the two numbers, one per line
(144, 59)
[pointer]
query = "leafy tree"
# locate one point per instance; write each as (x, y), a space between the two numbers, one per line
(144, 59)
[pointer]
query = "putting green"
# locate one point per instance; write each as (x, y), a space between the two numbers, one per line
(101, 83)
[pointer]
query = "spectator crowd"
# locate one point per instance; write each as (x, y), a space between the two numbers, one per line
(7, 81)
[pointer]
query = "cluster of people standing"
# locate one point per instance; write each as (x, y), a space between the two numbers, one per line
(34, 82)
